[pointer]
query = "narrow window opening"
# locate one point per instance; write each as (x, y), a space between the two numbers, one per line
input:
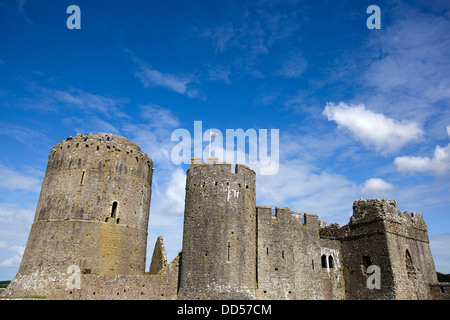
(82, 177)
(442, 289)
(330, 262)
(324, 261)
(114, 209)
(409, 266)
(282, 254)
(117, 221)
(98, 148)
(229, 246)
(273, 211)
(267, 251)
(312, 264)
(366, 261)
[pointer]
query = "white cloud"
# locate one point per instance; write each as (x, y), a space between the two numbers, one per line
(304, 188)
(375, 129)
(174, 194)
(403, 71)
(11, 262)
(14, 180)
(377, 187)
(440, 252)
(439, 164)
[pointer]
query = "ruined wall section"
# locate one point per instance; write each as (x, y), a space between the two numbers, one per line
(288, 265)
(331, 262)
(395, 241)
(364, 243)
(160, 286)
(410, 254)
(92, 211)
(219, 235)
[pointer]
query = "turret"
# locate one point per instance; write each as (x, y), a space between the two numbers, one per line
(92, 213)
(219, 237)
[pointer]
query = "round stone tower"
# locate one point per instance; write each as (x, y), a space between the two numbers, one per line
(219, 238)
(92, 213)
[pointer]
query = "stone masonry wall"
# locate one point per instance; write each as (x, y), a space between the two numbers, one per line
(219, 235)
(160, 286)
(92, 212)
(288, 265)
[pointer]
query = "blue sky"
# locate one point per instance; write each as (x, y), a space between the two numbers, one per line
(360, 113)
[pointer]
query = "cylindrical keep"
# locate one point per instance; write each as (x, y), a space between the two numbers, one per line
(93, 209)
(219, 237)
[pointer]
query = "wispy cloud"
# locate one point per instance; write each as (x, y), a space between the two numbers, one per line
(82, 100)
(15, 260)
(293, 66)
(439, 249)
(150, 77)
(249, 30)
(21, 133)
(21, 6)
(374, 129)
(14, 180)
(405, 67)
(219, 73)
(305, 188)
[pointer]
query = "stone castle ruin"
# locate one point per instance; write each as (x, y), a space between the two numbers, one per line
(88, 239)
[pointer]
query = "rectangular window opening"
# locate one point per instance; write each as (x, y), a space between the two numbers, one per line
(82, 177)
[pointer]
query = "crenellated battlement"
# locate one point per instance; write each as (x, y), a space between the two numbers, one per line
(92, 143)
(197, 164)
(394, 221)
(269, 213)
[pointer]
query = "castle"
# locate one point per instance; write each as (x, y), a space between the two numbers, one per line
(88, 239)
